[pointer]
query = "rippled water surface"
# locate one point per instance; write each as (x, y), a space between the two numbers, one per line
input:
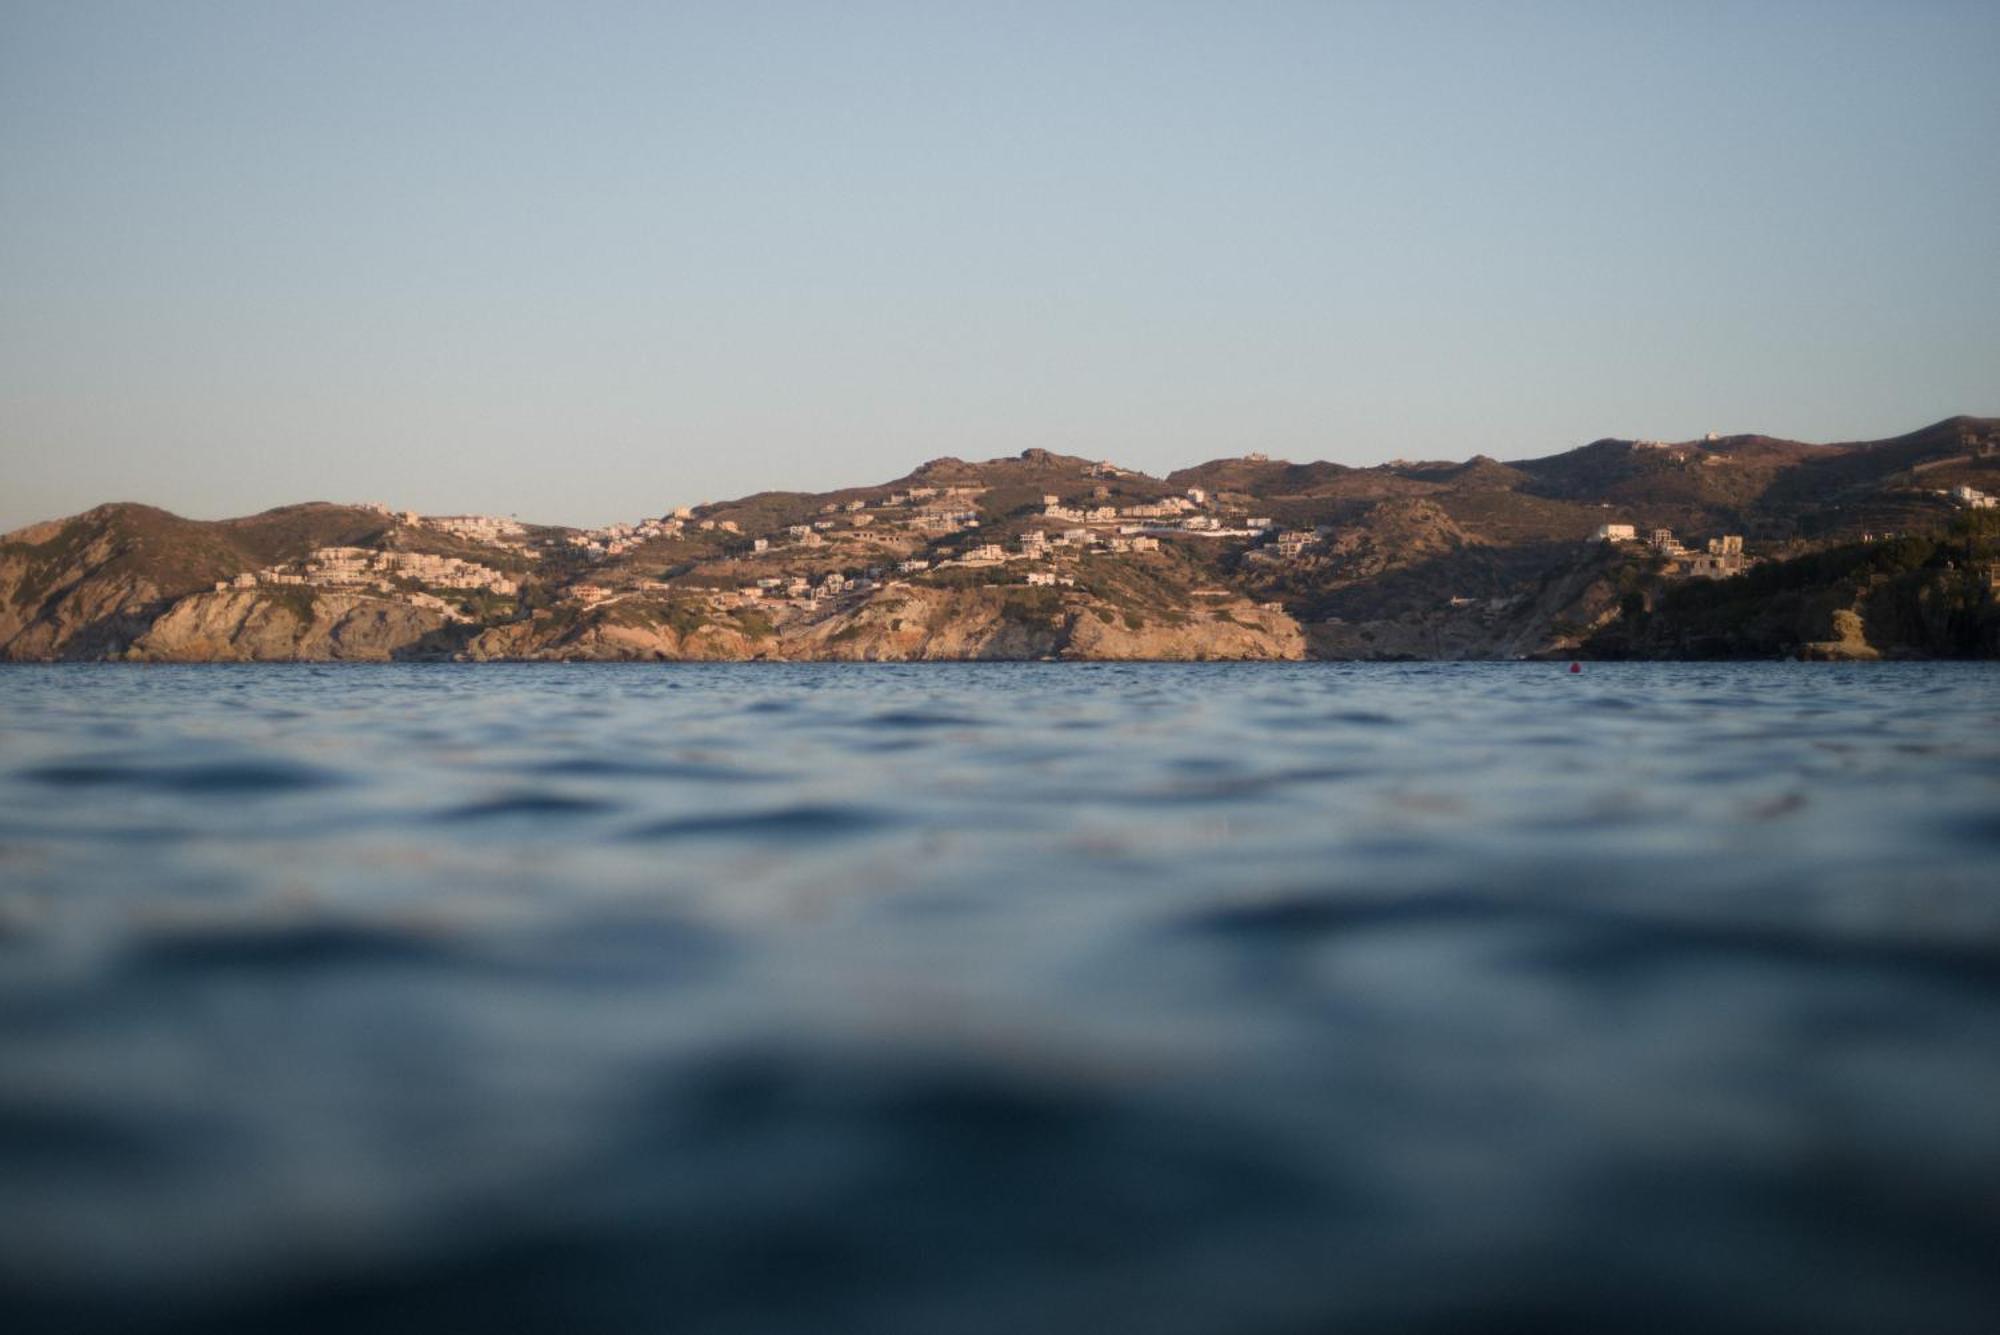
(1000, 998)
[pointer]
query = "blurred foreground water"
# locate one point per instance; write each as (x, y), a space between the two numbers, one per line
(1008, 998)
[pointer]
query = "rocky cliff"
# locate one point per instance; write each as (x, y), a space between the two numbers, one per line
(908, 624)
(900, 625)
(292, 624)
(936, 624)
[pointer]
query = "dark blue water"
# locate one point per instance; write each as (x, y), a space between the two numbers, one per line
(979, 999)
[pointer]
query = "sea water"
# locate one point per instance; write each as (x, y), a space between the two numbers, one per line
(1000, 998)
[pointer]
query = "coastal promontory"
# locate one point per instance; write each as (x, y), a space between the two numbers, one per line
(1731, 546)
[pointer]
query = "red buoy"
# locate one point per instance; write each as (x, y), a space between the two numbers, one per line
(1576, 667)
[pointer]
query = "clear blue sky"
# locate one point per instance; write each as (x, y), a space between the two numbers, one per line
(581, 261)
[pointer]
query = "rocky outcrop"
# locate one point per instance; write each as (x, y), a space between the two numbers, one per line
(297, 624)
(77, 588)
(1235, 631)
(1849, 643)
(900, 624)
(917, 624)
(89, 586)
(911, 624)
(80, 618)
(607, 639)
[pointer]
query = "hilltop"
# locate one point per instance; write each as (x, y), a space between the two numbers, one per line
(1043, 555)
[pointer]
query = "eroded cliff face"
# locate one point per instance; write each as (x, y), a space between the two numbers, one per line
(920, 624)
(609, 640)
(252, 626)
(96, 618)
(1238, 630)
(87, 587)
(898, 625)
(911, 624)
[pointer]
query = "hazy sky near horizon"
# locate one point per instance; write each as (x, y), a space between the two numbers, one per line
(582, 261)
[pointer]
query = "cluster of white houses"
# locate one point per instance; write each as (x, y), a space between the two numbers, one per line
(592, 543)
(1115, 530)
(932, 511)
(477, 528)
(492, 529)
(1721, 557)
(617, 539)
(1073, 527)
(363, 568)
(1971, 498)
(1178, 514)
(935, 511)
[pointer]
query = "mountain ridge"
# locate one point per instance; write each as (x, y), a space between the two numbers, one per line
(1031, 555)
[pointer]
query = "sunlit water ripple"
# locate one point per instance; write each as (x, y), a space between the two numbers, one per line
(1000, 998)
